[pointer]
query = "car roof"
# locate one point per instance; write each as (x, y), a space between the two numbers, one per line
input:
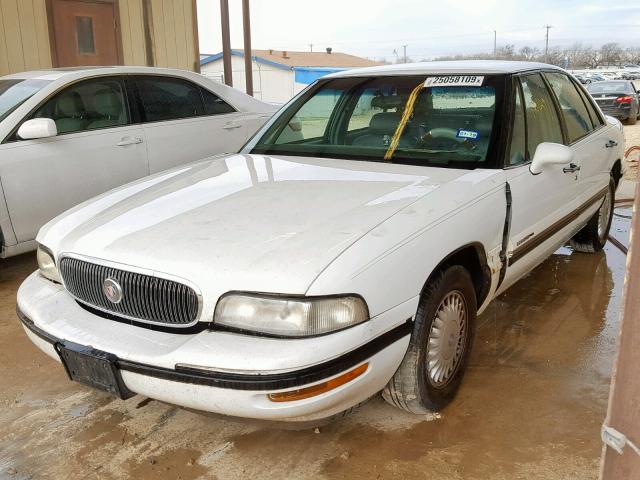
(449, 67)
(58, 73)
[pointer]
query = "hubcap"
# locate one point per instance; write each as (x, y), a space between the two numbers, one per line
(447, 339)
(604, 214)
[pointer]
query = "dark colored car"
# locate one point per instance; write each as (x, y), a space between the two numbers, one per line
(617, 98)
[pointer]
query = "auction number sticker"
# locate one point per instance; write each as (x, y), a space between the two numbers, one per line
(454, 81)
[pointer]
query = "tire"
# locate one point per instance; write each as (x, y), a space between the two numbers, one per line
(632, 120)
(414, 387)
(593, 236)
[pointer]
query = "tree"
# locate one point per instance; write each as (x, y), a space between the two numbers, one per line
(529, 53)
(611, 54)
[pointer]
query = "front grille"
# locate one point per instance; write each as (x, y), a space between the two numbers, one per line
(144, 297)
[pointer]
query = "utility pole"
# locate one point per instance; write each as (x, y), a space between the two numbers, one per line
(546, 47)
(404, 49)
(248, 63)
(226, 42)
(311, 47)
(495, 43)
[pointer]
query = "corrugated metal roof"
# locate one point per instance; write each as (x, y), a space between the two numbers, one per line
(301, 59)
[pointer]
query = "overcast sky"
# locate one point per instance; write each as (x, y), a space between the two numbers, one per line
(374, 28)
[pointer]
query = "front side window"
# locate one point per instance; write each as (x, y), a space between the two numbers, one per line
(14, 93)
(87, 105)
(166, 98)
(397, 119)
(542, 120)
(574, 111)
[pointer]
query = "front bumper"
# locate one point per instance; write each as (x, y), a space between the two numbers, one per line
(194, 371)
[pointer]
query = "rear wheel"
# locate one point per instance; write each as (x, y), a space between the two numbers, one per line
(593, 236)
(632, 120)
(433, 367)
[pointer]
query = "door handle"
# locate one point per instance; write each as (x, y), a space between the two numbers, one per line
(231, 125)
(572, 168)
(611, 144)
(129, 141)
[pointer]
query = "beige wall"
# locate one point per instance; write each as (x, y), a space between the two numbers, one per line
(24, 36)
(172, 34)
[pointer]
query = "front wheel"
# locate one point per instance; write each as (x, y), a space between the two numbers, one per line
(593, 236)
(440, 344)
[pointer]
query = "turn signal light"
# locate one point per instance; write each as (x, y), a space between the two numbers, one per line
(624, 100)
(323, 387)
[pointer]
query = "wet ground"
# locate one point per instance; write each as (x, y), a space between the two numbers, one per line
(530, 407)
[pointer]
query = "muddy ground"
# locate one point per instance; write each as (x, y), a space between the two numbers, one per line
(530, 407)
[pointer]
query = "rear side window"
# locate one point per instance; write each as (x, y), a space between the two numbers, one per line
(574, 111)
(214, 105)
(542, 120)
(596, 119)
(165, 98)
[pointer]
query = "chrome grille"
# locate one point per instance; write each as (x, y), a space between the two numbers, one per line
(144, 297)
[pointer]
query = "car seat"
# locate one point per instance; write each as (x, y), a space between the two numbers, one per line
(108, 108)
(69, 112)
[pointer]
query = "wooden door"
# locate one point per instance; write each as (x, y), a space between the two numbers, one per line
(84, 33)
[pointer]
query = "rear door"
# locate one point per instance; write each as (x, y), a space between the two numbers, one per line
(185, 122)
(97, 148)
(540, 203)
(587, 134)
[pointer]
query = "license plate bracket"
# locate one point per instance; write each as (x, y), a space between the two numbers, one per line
(92, 367)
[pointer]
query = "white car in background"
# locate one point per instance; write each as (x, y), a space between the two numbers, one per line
(297, 278)
(68, 135)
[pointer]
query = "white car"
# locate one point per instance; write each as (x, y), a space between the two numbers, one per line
(70, 134)
(298, 278)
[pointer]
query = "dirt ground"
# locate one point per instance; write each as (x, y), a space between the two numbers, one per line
(530, 407)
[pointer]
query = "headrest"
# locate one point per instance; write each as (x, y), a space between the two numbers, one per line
(69, 104)
(384, 123)
(108, 103)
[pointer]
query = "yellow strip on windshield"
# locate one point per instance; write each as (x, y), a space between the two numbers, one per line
(408, 111)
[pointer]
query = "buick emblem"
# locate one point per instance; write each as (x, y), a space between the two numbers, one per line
(112, 290)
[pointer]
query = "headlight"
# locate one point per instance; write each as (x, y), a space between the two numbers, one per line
(47, 264)
(290, 316)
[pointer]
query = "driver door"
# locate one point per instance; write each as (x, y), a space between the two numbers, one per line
(541, 204)
(97, 148)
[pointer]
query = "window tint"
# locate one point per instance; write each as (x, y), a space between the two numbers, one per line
(214, 105)
(166, 98)
(542, 120)
(596, 119)
(576, 116)
(518, 147)
(96, 103)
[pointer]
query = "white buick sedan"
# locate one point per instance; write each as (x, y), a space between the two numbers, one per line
(67, 135)
(298, 278)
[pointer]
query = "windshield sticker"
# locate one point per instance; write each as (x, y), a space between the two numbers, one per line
(469, 134)
(454, 81)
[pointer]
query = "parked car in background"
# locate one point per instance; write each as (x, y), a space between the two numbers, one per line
(67, 135)
(618, 98)
(300, 277)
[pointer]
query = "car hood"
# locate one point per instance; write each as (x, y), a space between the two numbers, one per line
(242, 222)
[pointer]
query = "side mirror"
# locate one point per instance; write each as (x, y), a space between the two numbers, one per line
(37, 128)
(550, 154)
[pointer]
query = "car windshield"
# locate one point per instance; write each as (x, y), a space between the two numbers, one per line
(14, 92)
(429, 120)
(609, 87)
